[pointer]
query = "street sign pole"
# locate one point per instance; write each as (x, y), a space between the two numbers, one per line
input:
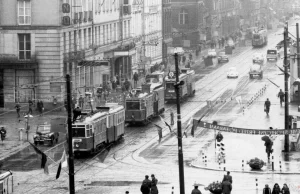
(179, 134)
(286, 89)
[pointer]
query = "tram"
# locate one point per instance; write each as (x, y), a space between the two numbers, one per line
(92, 130)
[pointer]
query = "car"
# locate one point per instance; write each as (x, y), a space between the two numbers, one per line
(272, 54)
(222, 57)
(45, 135)
(230, 43)
(258, 58)
(256, 70)
(212, 53)
(232, 73)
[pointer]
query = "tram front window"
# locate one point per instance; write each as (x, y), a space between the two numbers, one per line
(256, 36)
(133, 105)
(170, 85)
(78, 132)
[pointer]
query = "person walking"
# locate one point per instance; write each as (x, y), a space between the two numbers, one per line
(267, 190)
(227, 177)
(154, 181)
(281, 96)
(196, 190)
(285, 189)
(127, 85)
(40, 106)
(30, 104)
(226, 187)
(267, 106)
(147, 181)
(135, 79)
(18, 108)
(276, 189)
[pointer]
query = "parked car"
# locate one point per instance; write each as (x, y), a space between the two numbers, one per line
(212, 53)
(45, 136)
(232, 73)
(222, 57)
(272, 54)
(258, 58)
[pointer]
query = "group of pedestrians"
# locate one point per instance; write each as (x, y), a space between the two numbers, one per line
(39, 105)
(276, 189)
(267, 104)
(149, 186)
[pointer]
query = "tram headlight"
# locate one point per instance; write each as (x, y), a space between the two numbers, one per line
(77, 145)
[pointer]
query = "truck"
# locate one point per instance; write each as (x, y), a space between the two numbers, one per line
(259, 38)
(256, 70)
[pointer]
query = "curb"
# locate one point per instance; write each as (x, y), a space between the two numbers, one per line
(245, 171)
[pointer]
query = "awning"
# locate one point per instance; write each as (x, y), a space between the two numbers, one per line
(94, 63)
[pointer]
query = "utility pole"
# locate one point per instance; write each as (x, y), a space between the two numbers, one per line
(70, 137)
(298, 49)
(286, 94)
(179, 134)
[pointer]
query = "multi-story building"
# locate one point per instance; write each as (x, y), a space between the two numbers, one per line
(30, 55)
(185, 23)
(166, 29)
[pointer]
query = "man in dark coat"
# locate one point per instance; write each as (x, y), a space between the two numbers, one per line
(18, 108)
(267, 106)
(154, 181)
(30, 104)
(226, 187)
(227, 177)
(135, 79)
(145, 189)
(267, 190)
(196, 190)
(147, 181)
(281, 96)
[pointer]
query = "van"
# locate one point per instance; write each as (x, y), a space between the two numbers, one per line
(272, 54)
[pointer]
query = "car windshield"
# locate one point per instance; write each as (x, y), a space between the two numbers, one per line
(257, 56)
(222, 53)
(256, 36)
(43, 128)
(255, 67)
(232, 69)
(79, 132)
(170, 85)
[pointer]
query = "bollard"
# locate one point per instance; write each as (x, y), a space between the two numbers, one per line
(280, 165)
(172, 118)
(242, 164)
(272, 163)
(172, 190)
(256, 183)
(205, 160)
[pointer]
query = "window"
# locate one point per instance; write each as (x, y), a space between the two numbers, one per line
(24, 12)
(24, 46)
(183, 17)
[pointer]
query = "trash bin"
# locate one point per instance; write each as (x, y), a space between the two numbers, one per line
(228, 50)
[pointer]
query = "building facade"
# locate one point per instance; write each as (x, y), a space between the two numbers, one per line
(166, 29)
(185, 23)
(30, 52)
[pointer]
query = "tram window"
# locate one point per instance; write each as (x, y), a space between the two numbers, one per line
(133, 105)
(255, 36)
(79, 132)
(170, 85)
(88, 133)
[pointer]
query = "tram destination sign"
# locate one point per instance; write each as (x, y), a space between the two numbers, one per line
(245, 131)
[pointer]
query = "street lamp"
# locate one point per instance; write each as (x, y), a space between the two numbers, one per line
(27, 126)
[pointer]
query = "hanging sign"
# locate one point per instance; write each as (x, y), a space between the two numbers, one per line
(245, 131)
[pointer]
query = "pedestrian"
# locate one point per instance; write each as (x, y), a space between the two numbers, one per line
(127, 85)
(226, 187)
(147, 181)
(18, 108)
(81, 101)
(145, 189)
(276, 189)
(76, 113)
(227, 177)
(99, 92)
(154, 181)
(219, 137)
(196, 190)
(267, 106)
(30, 104)
(269, 149)
(281, 96)
(267, 190)
(40, 106)
(285, 189)
(127, 192)
(114, 85)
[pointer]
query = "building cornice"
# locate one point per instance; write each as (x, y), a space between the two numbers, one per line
(29, 27)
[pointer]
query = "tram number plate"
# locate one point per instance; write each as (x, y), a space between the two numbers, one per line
(77, 140)
(171, 90)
